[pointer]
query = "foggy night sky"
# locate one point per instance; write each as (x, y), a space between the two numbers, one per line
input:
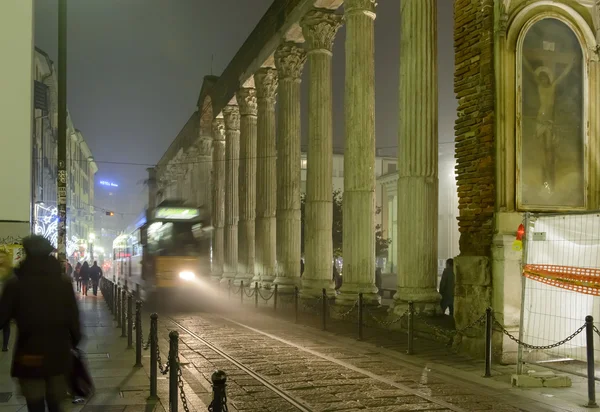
(135, 69)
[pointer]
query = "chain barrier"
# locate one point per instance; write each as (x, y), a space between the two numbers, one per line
(270, 296)
(180, 384)
(596, 330)
(540, 347)
(146, 345)
(235, 292)
(312, 308)
(164, 369)
(251, 293)
(347, 314)
(382, 323)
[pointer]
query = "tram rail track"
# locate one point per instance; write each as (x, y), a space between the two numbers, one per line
(295, 401)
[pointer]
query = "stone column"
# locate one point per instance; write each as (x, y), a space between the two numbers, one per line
(417, 158)
(218, 197)
(319, 28)
(359, 155)
(231, 115)
(266, 176)
(289, 60)
(246, 98)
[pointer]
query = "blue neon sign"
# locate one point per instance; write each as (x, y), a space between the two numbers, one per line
(109, 184)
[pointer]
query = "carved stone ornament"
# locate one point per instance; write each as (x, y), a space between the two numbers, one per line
(231, 114)
(289, 60)
(319, 27)
(360, 6)
(218, 129)
(266, 83)
(246, 98)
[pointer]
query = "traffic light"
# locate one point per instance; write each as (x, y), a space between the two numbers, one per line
(110, 213)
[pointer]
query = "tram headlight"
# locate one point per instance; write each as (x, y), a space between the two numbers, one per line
(187, 275)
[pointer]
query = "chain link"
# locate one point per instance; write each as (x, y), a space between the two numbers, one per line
(270, 296)
(251, 293)
(180, 384)
(476, 322)
(596, 330)
(164, 369)
(541, 347)
(384, 323)
(349, 312)
(147, 344)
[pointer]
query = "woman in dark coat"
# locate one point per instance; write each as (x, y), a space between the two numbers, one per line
(42, 302)
(77, 276)
(84, 274)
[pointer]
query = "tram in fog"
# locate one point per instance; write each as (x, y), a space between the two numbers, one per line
(165, 252)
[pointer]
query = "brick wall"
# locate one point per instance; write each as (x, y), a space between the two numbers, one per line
(474, 126)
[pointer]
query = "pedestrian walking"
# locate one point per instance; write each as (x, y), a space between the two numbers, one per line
(42, 302)
(447, 287)
(95, 275)
(84, 274)
(77, 276)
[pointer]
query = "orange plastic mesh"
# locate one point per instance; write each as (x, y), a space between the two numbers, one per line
(582, 280)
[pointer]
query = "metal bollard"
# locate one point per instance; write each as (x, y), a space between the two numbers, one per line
(256, 294)
(129, 321)
(124, 313)
(229, 289)
(242, 291)
(411, 327)
(114, 300)
(591, 372)
(360, 316)
(118, 307)
(138, 334)
(153, 357)
(219, 382)
(488, 343)
(324, 309)
(275, 298)
(296, 303)
(173, 370)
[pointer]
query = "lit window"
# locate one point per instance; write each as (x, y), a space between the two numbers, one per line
(303, 163)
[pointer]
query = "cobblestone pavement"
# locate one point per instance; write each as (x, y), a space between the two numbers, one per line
(320, 376)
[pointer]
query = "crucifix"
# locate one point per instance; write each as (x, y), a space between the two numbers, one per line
(548, 68)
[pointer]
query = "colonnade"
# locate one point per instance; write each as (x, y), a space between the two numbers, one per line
(256, 163)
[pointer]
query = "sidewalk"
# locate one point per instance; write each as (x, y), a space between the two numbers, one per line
(119, 385)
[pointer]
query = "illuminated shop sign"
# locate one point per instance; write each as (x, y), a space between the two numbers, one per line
(109, 184)
(46, 225)
(176, 213)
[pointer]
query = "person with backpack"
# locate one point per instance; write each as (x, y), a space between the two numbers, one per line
(95, 275)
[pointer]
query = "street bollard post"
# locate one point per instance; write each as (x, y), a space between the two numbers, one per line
(138, 334)
(360, 316)
(324, 308)
(153, 356)
(118, 307)
(229, 289)
(242, 291)
(114, 300)
(411, 327)
(275, 298)
(591, 372)
(296, 304)
(488, 343)
(173, 370)
(129, 321)
(256, 294)
(124, 313)
(219, 383)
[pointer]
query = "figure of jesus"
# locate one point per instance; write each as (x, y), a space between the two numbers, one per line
(546, 88)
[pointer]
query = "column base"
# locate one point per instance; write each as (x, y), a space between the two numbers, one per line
(247, 278)
(286, 285)
(425, 300)
(313, 288)
(349, 294)
(267, 281)
(256, 278)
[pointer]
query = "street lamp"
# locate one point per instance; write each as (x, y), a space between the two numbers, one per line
(91, 238)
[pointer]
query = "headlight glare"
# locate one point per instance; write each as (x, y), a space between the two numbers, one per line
(187, 275)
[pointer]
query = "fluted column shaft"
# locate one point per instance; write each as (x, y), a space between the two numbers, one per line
(246, 98)
(289, 60)
(266, 176)
(359, 155)
(417, 157)
(231, 115)
(319, 28)
(218, 208)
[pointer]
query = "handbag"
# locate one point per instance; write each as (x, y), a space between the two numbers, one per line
(80, 381)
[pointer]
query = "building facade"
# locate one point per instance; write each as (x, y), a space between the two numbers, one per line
(81, 168)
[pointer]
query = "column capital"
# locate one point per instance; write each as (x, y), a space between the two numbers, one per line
(218, 129)
(266, 83)
(289, 61)
(366, 7)
(231, 115)
(319, 27)
(246, 98)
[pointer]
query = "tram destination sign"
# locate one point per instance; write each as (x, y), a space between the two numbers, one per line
(176, 213)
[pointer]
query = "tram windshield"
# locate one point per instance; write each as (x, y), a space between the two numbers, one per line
(172, 239)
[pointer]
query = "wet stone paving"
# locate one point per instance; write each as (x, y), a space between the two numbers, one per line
(320, 377)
